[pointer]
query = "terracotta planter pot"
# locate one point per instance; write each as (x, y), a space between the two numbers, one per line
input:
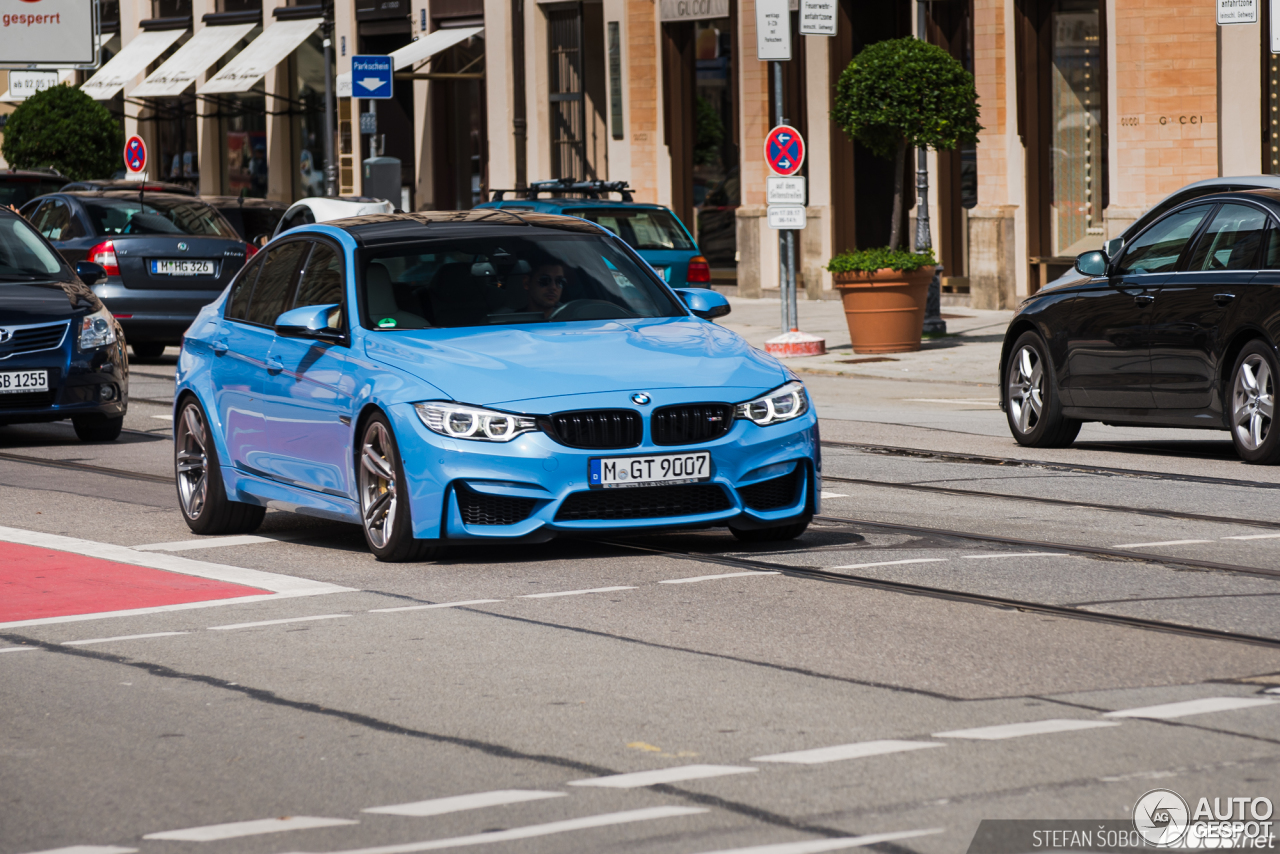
(884, 309)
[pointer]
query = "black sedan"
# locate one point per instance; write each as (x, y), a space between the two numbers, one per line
(165, 256)
(61, 352)
(1180, 330)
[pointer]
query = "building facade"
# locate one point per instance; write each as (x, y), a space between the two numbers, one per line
(1093, 110)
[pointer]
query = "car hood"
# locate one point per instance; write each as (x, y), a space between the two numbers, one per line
(39, 302)
(504, 365)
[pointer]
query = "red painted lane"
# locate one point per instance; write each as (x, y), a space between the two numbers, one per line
(36, 583)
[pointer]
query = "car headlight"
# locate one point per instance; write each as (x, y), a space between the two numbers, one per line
(781, 404)
(471, 422)
(97, 330)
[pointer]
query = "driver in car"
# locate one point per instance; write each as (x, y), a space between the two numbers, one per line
(545, 286)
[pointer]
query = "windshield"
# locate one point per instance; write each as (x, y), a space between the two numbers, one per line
(23, 254)
(642, 228)
(488, 281)
(156, 216)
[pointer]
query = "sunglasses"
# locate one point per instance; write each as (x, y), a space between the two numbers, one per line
(551, 281)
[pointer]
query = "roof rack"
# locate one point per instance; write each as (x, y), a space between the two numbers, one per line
(589, 189)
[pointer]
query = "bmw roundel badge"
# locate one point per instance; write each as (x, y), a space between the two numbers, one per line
(640, 398)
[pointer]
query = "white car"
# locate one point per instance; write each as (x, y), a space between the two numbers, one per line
(324, 208)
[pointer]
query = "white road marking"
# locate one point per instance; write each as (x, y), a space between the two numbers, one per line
(813, 846)
(1019, 554)
(1191, 707)
(1165, 543)
(206, 543)
(18, 648)
(234, 830)
(996, 733)
(893, 562)
(638, 779)
(696, 578)
(275, 622)
(574, 592)
(168, 418)
(1255, 537)
(458, 803)
(826, 494)
(121, 638)
(857, 750)
(959, 400)
(533, 830)
(439, 605)
(88, 849)
(280, 586)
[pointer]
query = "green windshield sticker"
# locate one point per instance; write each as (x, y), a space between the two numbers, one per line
(387, 323)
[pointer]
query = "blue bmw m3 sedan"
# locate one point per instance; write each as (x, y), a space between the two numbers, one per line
(482, 376)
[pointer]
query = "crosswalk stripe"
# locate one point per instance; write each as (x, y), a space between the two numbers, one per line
(1166, 711)
(458, 803)
(234, 830)
(813, 846)
(857, 750)
(678, 774)
(604, 820)
(1002, 731)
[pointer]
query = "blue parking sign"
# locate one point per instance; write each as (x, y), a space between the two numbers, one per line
(371, 76)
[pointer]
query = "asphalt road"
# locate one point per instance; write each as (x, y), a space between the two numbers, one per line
(971, 631)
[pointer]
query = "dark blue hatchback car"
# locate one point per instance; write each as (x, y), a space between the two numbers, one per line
(653, 231)
(61, 352)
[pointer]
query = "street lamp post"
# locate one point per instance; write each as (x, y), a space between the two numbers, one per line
(330, 166)
(933, 322)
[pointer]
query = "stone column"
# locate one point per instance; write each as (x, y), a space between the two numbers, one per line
(992, 257)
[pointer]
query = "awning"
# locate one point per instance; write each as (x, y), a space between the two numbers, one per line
(64, 74)
(129, 63)
(415, 52)
(262, 55)
(190, 61)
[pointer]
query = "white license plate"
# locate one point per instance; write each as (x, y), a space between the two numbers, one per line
(615, 472)
(182, 268)
(664, 272)
(14, 382)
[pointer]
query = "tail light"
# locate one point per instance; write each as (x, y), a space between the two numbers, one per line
(104, 255)
(249, 251)
(699, 270)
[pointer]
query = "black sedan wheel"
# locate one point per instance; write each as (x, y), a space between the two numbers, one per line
(201, 493)
(1032, 406)
(384, 498)
(1253, 404)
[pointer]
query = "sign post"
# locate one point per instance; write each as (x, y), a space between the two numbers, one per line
(135, 158)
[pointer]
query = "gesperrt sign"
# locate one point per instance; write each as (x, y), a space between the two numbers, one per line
(50, 33)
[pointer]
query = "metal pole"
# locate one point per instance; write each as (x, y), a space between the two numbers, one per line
(788, 322)
(330, 166)
(933, 322)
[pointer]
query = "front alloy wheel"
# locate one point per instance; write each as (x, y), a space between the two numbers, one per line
(1026, 389)
(384, 502)
(1253, 396)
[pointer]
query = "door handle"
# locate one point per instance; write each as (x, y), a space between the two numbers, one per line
(274, 366)
(219, 348)
(1223, 299)
(1143, 299)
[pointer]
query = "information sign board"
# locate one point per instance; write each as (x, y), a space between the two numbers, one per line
(784, 191)
(371, 77)
(47, 33)
(787, 217)
(1237, 12)
(24, 84)
(818, 17)
(773, 30)
(784, 150)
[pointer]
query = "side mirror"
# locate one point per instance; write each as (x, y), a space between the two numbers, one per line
(705, 303)
(90, 272)
(1093, 263)
(311, 321)
(261, 240)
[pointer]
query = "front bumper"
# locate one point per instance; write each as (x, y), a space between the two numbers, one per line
(534, 488)
(77, 385)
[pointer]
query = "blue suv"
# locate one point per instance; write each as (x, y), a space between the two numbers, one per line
(653, 231)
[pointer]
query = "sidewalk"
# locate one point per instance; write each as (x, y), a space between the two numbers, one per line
(968, 355)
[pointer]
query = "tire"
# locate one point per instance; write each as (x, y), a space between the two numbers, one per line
(202, 496)
(1033, 406)
(97, 428)
(148, 349)
(779, 534)
(386, 520)
(1251, 404)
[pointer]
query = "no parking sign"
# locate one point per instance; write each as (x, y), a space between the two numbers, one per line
(135, 154)
(784, 150)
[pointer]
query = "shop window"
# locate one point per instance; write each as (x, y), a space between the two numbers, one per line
(568, 120)
(307, 65)
(170, 8)
(239, 5)
(1077, 145)
(716, 192)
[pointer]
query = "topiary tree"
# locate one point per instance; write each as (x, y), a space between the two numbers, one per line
(901, 93)
(64, 128)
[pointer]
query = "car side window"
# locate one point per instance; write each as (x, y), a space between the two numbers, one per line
(1158, 249)
(322, 280)
(57, 221)
(275, 283)
(302, 216)
(38, 216)
(1231, 241)
(238, 304)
